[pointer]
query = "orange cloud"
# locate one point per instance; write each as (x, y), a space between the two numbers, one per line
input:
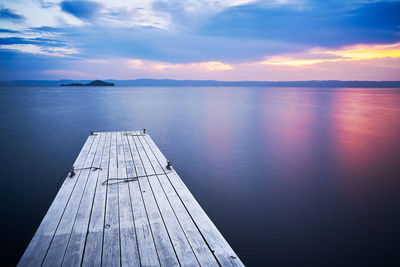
(215, 65)
(162, 66)
(358, 62)
(288, 61)
(349, 53)
(135, 63)
(360, 52)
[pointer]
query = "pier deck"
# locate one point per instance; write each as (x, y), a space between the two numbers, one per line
(151, 219)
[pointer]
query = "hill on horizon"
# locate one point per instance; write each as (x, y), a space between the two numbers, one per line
(212, 83)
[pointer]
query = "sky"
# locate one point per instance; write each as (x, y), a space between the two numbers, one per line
(274, 40)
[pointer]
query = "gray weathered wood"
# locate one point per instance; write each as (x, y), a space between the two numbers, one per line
(145, 240)
(94, 241)
(111, 245)
(152, 220)
(129, 249)
(60, 240)
(217, 243)
(203, 253)
(75, 248)
(165, 249)
(179, 240)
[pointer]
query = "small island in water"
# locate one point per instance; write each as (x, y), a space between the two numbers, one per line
(94, 83)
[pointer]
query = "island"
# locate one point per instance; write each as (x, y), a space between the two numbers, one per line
(94, 83)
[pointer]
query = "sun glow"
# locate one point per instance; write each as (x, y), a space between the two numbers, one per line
(163, 66)
(359, 52)
(349, 53)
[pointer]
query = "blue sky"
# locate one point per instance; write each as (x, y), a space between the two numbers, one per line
(223, 40)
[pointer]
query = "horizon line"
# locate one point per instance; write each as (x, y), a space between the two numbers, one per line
(168, 79)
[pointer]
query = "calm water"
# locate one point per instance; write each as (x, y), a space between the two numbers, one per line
(290, 176)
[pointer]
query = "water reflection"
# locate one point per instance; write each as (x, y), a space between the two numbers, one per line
(282, 172)
(218, 122)
(287, 133)
(287, 118)
(365, 131)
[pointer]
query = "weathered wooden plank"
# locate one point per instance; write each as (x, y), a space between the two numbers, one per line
(59, 243)
(198, 244)
(37, 248)
(151, 221)
(129, 248)
(218, 245)
(74, 253)
(179, 240)
(111, 245)
(145, 241)
(94, 240)
(165, 249)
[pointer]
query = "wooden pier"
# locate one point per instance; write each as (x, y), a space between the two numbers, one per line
(124, 207)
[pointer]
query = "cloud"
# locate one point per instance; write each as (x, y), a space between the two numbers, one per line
(349, 53)
(6, 13)
(357, 62)
(65, 73)
(200, 38)
(36, 41)
(189, 15)
(364, 51)
(346, 63)
(13, 40)
(315, 23)
(47, 29)
(40, 50)
(7, 31)
(131, 68)
(173, 47)
(155, 66)
(81, 9)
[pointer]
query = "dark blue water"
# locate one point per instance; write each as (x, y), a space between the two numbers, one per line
(290, 176)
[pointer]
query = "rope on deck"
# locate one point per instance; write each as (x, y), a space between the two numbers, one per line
(71, 173)
(135, 178)
(142, 133)
(129, 179)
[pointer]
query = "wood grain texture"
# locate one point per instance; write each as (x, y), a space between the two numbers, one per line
(111, 241)
(75, 248)
(177, 236)
(165, 248)
(216, 242)
(60, 240)
(94, 241)
(203, 254)
(146, 246)
(152, 220)
(129, 248)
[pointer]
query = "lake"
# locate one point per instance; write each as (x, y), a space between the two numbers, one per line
(290, 176)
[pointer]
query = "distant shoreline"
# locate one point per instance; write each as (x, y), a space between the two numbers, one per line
(213, 83)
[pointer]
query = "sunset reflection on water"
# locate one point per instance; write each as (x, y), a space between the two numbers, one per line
(290, 176)
(365, 128)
